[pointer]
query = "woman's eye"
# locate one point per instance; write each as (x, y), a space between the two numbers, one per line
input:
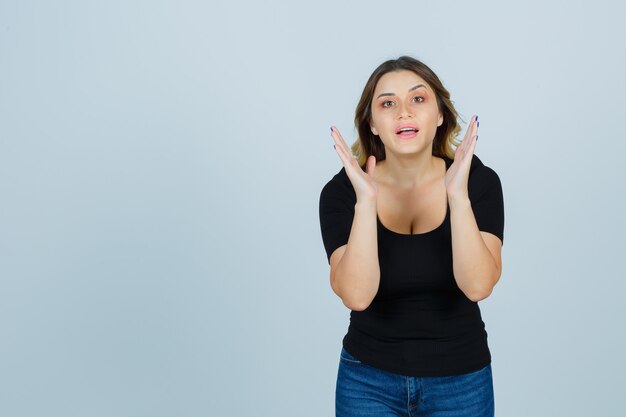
(420, 100)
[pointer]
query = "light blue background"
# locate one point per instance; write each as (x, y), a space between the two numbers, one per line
(160, 170)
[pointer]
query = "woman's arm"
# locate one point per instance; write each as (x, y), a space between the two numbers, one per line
(476, 255)
(355, 274)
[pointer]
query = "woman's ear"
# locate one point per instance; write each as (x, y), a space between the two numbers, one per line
(440, 120)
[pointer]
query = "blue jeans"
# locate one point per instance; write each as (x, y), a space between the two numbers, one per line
(363, 390)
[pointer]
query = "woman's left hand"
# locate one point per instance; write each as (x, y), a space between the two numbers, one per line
(458, 173)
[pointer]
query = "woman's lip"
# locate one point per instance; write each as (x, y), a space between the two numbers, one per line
(407, 135)
(404, 125)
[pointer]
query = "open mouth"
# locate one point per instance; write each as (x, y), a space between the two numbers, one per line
(407, 132)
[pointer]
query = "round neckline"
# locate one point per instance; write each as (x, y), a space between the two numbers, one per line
(448, 163)
(416, 234)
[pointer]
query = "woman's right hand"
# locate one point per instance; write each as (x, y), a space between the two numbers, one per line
(364, 184)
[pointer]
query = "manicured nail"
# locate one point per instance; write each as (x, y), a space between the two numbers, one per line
(477, 124)
(335, 146)
(476, 137)
(331, 128)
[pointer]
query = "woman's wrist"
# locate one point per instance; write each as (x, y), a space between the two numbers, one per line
(458, 201)
(365, 204)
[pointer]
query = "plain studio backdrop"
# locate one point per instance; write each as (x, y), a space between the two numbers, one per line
(160, 171)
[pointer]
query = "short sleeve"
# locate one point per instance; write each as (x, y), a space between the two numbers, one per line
(336, 213)
(485, 192)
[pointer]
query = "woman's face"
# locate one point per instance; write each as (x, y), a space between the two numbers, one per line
(403, 98)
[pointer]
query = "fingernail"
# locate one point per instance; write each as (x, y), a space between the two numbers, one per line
(476, 117)
(476, 137)
(335, 146)
(477, 124)
(331, 128)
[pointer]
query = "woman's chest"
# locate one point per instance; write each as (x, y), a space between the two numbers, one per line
(412, 212)
(414, 263)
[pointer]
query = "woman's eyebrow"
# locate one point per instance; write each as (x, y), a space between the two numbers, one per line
(410, 89)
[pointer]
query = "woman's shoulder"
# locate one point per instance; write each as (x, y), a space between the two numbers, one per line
(476, 165)
(478, 168)
(481, 176)
(340, 184)
(341, 178)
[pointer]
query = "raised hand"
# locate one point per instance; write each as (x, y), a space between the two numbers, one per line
(458, 174)
(364, 184)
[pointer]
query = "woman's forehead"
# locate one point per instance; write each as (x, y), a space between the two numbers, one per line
(399, 82)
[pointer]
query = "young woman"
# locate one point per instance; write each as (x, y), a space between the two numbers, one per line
(413, 230)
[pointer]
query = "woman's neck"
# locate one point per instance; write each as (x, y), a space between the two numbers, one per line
(409, 172)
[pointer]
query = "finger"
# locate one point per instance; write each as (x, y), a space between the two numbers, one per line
(471, 131)
(340, 145)
(474, 142)
(470, 139)
(466, 144)
(466, 139)
(342, 154)
(342, 149)
(461, 149)
(337, 136)
(476, 124)
(471, 145)
(473, 121)
(370, 165)
(472, 126)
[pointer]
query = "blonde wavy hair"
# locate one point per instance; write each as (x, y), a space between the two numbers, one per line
(369, 144)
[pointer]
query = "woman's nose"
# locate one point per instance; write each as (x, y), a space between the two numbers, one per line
(404, 112)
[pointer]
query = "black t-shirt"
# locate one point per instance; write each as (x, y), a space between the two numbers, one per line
(419, 323)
